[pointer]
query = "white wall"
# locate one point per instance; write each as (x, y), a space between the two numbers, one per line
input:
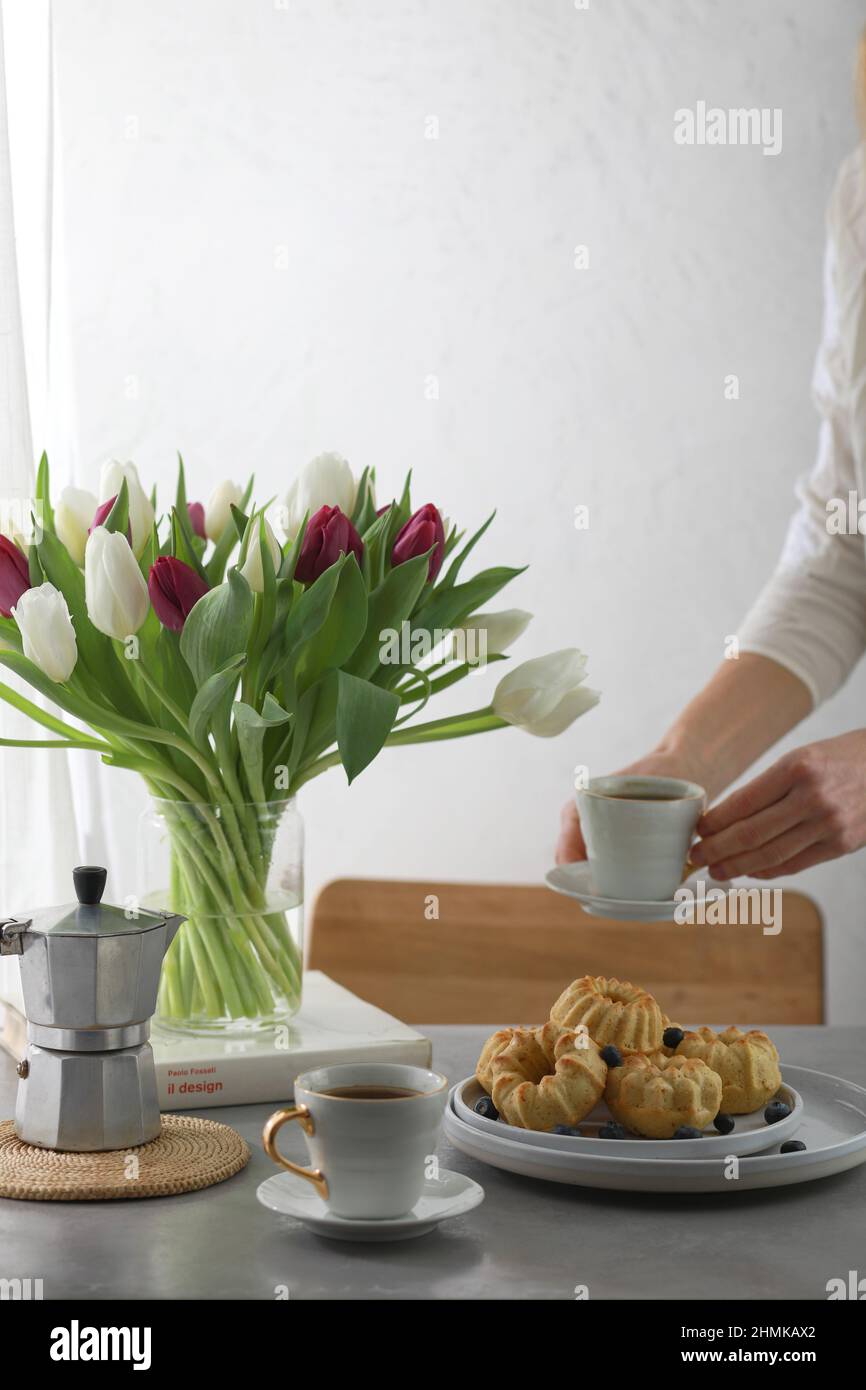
(202, 145)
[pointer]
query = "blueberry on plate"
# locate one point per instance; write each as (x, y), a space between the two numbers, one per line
(611, 1131)
(687, 1132)
(486, 1108)
(672, 1037)
(724, 1123)
(611, 1055)
(777, 1110)
(570, 1130)
(792, 1146)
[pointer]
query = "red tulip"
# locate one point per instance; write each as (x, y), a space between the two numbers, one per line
(102, 512)
(422, 530)
(329, 535)
(175, 589)
(14, 575)
(196, 518)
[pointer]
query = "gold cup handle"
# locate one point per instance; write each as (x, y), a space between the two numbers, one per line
(269, 1139)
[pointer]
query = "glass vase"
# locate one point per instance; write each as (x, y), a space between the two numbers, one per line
(235, 871)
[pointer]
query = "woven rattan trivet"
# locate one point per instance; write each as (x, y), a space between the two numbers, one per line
(188, 1155)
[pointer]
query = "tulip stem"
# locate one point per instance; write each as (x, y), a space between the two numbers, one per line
(166, 701)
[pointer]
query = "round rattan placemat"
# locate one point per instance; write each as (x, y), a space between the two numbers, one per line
(189, 1154)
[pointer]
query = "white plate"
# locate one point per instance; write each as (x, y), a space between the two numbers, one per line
(833, 1128)
(575, 881)
(750, 1133)
(452, 1194)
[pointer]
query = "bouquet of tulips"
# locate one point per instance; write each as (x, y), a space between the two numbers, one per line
(228, 667)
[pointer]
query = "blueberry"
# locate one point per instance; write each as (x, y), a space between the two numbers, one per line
(777, 1110)
(485, 1107)
(792, 1146)
(672, 1037)
(724, 1123)
(687, 1132)
(611, 1055)
(570, 1130)
(611, 1131)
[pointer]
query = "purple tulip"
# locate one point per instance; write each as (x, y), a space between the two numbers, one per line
(102, 512)
(175, 589)
(196, 518)
(329, 535)
(14, 575)
(423, 530)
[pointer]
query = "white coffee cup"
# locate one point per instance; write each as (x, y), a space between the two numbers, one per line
(638, 831)
(369, 1154)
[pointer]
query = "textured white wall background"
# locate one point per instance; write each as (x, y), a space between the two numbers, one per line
(203, 145)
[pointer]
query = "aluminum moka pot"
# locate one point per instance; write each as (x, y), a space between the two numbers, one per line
(90, 975)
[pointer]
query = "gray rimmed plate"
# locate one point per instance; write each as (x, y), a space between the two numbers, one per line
(750, 1134)
(833, 1128)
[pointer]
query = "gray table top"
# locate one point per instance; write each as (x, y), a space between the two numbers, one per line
(528, 1239)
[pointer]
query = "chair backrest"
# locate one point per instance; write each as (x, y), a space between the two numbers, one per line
(497, 954)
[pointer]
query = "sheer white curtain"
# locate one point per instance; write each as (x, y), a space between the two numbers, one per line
(38, 843)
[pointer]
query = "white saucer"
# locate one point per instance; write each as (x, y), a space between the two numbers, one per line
(750, 1134)
(575, 881)
(451, 1194)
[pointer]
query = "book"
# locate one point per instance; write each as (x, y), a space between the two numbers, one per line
(332, 1026)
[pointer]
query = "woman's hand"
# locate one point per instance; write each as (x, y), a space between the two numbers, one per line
(808, 807)
(570, 845)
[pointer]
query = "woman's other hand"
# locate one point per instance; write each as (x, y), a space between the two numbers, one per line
(808, 807)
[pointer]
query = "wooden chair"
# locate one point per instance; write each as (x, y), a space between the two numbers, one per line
(495, 954)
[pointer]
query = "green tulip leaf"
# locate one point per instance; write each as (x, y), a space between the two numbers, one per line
(252, 726)
(43, 493)
(218, 626)
(183, 546)
(450, 576)
(365, 718)
(212, 697)
(180, 500)
(447, 608)
(390, 603)
(344, 625)
(118, 518)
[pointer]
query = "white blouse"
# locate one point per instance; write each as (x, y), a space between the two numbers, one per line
(811, 616)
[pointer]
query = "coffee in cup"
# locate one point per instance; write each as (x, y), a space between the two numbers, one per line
(370, 1128)
(638, 831)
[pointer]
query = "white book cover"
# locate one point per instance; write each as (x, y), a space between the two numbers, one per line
(332, 1026)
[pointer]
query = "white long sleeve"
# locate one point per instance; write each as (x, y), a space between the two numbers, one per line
(811, 616)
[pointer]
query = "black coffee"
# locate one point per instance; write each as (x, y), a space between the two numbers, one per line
(371, 1092)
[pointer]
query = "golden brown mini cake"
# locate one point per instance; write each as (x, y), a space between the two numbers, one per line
(747, 1063)
(612, 1011)
(491, 1048)
(655, 1096)
(546, 1076)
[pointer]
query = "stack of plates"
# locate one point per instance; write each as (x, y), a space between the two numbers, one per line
(827, 1114)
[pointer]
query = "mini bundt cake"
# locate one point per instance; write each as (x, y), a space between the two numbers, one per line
(491, 1049)
(655, 1096)
(747, 1063)
(612, 1011)
(541, 1077)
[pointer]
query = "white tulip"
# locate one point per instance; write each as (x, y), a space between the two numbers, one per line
(218, 511)
(73, 517)
(545, 695)
(326, 481)
(140, 509)
(252, 566)
(48, 637)
(114, 587)
(495, 633)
